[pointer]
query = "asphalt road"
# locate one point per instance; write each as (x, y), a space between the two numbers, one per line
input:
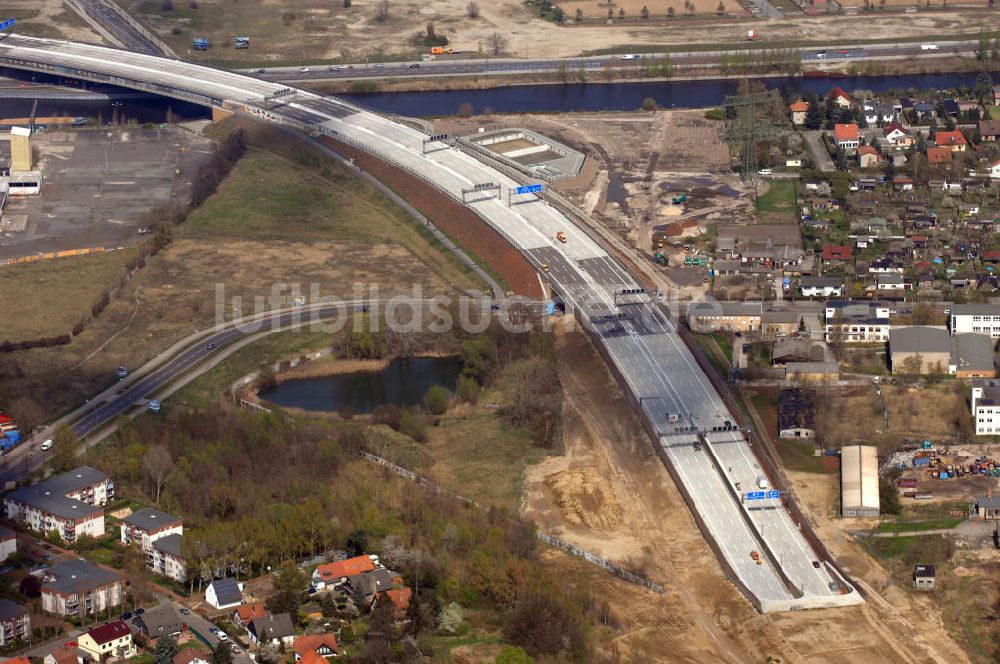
(659, 370)
(456, 65)
(131, 38)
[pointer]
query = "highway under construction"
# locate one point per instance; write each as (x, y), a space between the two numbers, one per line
(745, 519)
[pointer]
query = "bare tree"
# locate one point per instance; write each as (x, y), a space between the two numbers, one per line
(498, 43)
(382, 11)
(472, 9)
(158, 463)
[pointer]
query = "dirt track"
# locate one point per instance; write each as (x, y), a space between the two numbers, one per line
(609, 494)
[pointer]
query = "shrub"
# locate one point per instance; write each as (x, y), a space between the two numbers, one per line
(436, 400)
(412, 425)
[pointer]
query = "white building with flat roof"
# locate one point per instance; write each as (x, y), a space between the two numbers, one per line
(976, 318)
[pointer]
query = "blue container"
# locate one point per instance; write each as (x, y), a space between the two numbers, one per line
(943, 475)
(201, 44)
(10, 439)
(922, 461)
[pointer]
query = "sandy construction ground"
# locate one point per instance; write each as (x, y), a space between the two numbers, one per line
(50, 18)
(593, 9)
(609, 494)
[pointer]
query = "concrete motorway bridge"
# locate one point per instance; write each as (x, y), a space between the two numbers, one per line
(695, 433)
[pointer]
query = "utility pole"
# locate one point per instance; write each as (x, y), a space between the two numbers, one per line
(748, 127)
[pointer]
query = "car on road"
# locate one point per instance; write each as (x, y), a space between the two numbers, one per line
(379, 65)
(235, 649)
(303, 70)
(47, 445)
(138, 611)
(843, 51)
(746, 348)
(739, 335)
(630, 56)
(213, 629)
(820, 54)
(222, 635)
(262, 71)
(184, 610)
(415, 65)
(121, 372)
(210, 346)
(816, 564)
(764, 171)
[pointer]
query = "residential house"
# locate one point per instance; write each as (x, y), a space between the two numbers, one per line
(835, 252)
(902, 105)
(938, 155)
(919, 349)
(111, 640)
(799, 111)
(337, 572)
(885, 265)
(954, 139)
(891, 282)
(163, 620)
(67, 653)
(247, 612)
(67, 504)
(224, 593)
(856, 322)
(877, 226)
(324, 645)
(275, 629)
(166, 557)
(725, 316)
(846, 137)
(876, 113)
(77, 588)
(902, 183)
(968, 105)
(987, 507)
(400, 598)
(989, 130)
(923, 577)
(8, 543)
(922, 110)
(985, 406)
(897, 135)
(15, 623)
(976, 318)
(371, 584)
(821, 286)
(993, 170)
(950, 108)
(839, 97)
(796, 413)
(968, 209)
(868, 157)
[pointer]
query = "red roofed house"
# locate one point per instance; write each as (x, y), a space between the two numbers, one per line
(18, 660)
(840, 98)
(110, 640)
(952, 139)
(322, 645)
(846, 137)
(868, 157)
(991, 256)
(400, 597)
(897, 135)
(938, 155)
(332, 573)
(244, 613)
(799, 110)
(836, 252)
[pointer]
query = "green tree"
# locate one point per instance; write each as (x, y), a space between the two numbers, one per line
(436, 400)
(289, 584)
(649, 104)
(579, 15)
(644, 12)
(329, 605)
(513, 655)
(412, 425)
(166, 649)
(477, 354)
(671, 11)
(467, 390)
(66, 448)
(347, 4)
(222, 654)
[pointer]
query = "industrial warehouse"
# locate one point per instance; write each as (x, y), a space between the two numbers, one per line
(859, 481)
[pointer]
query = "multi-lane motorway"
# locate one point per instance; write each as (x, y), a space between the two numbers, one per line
(457, 65)
(692, 425)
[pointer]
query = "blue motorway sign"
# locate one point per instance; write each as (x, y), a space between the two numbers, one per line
(755, 495)
(773, 494)
(529, 189)
(8, 24)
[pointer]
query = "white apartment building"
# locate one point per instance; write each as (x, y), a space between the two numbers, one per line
(821, 286)
(985, 405)
(159, 535)
(15, 622)
(976, 319)
(79, 588)
(165, 558)
(68, 504)
(8, 543)
(856, 322)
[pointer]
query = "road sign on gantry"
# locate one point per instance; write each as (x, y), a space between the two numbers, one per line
(772, 494)
(7, 25)
(529, 189)
(755, 495)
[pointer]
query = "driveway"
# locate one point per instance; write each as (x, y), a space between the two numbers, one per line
(201, 627)
(820, 155)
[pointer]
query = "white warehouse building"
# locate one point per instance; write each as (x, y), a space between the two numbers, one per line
(859, 481)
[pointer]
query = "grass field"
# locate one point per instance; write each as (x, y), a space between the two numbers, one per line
(47, 298)
(940, 523)
(592, 9)
(777, 204)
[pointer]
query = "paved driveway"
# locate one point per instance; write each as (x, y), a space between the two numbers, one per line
(820, 155)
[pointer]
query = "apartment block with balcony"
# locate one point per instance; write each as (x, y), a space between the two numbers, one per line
(165, 558)
(8, 543)
(148, 525)
(15, 623)
(68, 504)
(78, 588)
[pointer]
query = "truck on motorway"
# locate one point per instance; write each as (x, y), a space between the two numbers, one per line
(631, 56)
(561, 237)
(762, 481)
(929, 47)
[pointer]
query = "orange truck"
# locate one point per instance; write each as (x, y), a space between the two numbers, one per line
(441, 50)
(755, 556)
(561, 237)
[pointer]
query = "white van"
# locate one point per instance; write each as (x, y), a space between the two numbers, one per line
(764, 171)
(630, 56)
(47, 445)
(928, 47)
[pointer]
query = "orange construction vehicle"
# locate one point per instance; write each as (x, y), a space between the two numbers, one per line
(755, 556)
(561, 237)
(442, 50)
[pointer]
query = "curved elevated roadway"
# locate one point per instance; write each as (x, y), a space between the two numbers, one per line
(691, 423)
